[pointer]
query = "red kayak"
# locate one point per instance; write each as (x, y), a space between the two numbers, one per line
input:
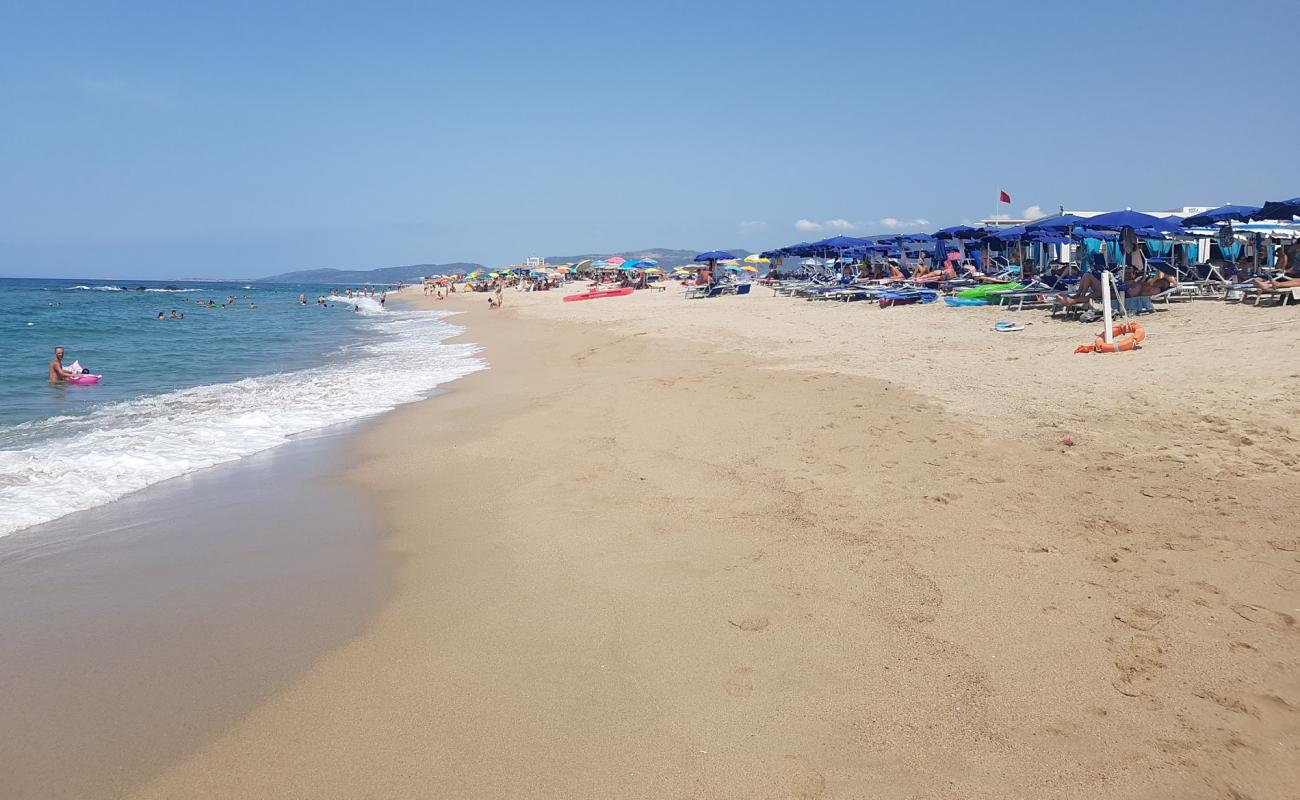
(599, 293)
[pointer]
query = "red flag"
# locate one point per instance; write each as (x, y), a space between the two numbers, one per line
(1004, 197)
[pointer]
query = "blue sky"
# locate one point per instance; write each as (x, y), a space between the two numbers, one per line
(241, 139)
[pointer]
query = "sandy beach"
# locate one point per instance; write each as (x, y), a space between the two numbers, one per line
(760, 547)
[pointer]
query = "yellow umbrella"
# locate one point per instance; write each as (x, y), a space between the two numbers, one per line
(748, 268)
(755, 258)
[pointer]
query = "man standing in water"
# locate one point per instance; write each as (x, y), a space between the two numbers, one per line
(57, 373)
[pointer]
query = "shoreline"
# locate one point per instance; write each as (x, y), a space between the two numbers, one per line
(137, 631)
(636, 560)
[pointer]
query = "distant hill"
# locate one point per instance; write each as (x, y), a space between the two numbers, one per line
(667, 257)
(411, 272)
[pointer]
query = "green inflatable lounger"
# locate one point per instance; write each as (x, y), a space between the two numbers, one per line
(986, 290)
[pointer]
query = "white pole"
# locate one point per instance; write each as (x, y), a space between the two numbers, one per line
(1105, 307)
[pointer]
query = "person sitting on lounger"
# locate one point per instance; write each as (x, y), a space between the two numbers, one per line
(947, 273)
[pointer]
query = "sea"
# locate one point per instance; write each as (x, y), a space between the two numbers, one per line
(247, 369)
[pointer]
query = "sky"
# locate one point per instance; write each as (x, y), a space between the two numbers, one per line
(242, 139)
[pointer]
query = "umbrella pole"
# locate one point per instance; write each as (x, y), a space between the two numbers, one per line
(1106, 278)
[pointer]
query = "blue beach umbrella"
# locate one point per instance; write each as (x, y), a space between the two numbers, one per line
(1060, 222)
(1279, 209)
(1128, 218)
(1214, 216)
(953, 232)
(713, 255)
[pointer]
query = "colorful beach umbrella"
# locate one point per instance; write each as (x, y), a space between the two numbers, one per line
(750, 269)
(755, 258)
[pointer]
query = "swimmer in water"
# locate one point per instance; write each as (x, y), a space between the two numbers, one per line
(160, 316)
(57, 373)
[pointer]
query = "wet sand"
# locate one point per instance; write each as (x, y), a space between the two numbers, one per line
(764, 548)
(134, 633)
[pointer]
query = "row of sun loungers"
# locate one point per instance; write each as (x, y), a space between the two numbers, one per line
(1208, 283)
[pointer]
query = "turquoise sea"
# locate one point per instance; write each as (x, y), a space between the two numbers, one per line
(228, 380)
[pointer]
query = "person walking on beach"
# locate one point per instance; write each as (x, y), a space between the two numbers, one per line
(57, 373)
(500, 291)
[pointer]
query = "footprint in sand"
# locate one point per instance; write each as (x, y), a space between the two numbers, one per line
(750, 623)
(740, 684)
(1141, 619)
(1289, 581)
(1264, 616)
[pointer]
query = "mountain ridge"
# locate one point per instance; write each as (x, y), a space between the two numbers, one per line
(406, 273)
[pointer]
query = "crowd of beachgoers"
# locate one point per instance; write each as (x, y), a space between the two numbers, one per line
(1068, 263)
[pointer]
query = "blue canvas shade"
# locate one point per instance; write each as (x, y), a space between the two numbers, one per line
(1214, 216)
(1279, 209)
(714, 255)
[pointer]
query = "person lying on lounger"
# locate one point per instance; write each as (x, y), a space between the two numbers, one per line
(1154, 283)
(1088, 291)
(1289, 277)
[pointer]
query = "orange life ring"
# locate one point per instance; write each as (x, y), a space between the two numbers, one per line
(1126, 337)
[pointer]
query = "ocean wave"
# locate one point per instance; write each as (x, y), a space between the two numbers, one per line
(71, 463)
(104, 288)
(363, 305)
(168, 289)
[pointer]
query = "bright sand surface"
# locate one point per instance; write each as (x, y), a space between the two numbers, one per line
(762, 547)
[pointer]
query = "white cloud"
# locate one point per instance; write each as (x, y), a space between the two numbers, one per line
(838, 224)
(752, 226)
(895, 222)
(844, 225)
(1034, 212)
(119, 91)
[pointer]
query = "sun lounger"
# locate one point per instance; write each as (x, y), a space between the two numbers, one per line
(1279, 297)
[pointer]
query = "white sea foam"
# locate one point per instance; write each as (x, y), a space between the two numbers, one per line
(104, 288)
(56, 466)
(174, 290)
